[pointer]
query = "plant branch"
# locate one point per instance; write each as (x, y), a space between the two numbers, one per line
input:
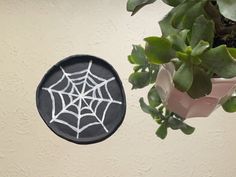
(214, 13)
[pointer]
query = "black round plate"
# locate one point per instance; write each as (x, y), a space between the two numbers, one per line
(82, 99)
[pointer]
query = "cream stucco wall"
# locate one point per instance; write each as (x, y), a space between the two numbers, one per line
(35, 34)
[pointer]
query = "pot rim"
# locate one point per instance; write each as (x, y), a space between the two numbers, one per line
(219, 80)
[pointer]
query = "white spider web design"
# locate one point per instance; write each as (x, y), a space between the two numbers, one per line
(83, 89)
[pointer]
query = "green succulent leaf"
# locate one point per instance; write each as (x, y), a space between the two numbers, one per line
(153, 97)
(201, 47)
(175, 123)
(130, 59)
(182, 17)
(187, 130)
(138, 55)
(196, 60)
(203, 29)
(182, 56)
(173, 2)
(228, 8)
(162, 131)
(184, 34)
(201, 85)
(168, 24)
(150, 110)
(192, 13)
(139, 79)
(158, 50)
(135, 5)
(183, 77)
(230, 105)
(145, 107)
(178, 40)
(232, 52)
(221, 60)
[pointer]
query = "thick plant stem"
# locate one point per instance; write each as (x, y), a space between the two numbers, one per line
(213, 12)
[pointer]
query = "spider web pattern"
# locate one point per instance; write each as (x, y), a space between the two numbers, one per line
(84, 90)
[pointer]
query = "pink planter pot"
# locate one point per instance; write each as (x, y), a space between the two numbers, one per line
(185, 106)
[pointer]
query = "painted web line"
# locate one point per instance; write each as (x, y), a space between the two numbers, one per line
(85, 100)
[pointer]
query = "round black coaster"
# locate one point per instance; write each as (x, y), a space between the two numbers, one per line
(82, 99)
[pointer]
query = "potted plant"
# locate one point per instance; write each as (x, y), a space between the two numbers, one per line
(192, 67)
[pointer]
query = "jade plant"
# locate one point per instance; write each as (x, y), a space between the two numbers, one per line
(199, 38)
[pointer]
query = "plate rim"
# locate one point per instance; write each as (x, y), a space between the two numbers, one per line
(100, 138)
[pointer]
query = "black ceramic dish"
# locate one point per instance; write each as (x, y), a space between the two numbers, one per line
(81, 99)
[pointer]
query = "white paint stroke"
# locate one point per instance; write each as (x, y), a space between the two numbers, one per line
(77, 98)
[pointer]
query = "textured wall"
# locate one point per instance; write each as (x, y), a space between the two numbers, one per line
(37, 34)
